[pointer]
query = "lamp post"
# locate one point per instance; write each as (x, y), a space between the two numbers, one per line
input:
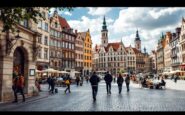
(10, 42)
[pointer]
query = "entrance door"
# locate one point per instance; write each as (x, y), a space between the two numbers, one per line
(19, 64)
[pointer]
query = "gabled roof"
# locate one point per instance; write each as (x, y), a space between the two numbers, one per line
(82, 34)
(127, 48)
(115, 46)
(136, 51)
(63, 23)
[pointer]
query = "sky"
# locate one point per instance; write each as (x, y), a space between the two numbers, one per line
(122, 23)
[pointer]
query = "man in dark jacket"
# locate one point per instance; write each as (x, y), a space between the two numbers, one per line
(94, 83)
(108, 80)
(127, 81)
(120, 82)
(52, 83)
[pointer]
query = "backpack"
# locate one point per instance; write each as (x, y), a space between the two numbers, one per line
(67, 82)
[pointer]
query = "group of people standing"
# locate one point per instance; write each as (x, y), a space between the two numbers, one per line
(94, 80)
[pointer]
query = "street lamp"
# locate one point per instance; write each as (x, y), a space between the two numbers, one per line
(10, 41)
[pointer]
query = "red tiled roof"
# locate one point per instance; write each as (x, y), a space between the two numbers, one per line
(115, 46)
(136, 51)
(63, 23)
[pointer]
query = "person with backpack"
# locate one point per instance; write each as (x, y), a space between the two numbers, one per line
(120, 81)
(94, 80)
(68, 82)
(18, 84)
(108, 79)
(52, 83)
(127, 81)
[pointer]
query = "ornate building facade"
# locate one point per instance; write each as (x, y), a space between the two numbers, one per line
(43, 41)
(79, 48)
(87, 55)
(18, 55)
(55, 42)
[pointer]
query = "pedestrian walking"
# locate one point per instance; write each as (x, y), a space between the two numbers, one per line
(77, 80)
(52, 83)
(49, 82)
(120, 83)
(68, 82)
(18, 86)
(127, 81)
(87, 79)
(108, 80)
(175, 79)
(94, 80)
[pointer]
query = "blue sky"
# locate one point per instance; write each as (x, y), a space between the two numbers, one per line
(122, 23)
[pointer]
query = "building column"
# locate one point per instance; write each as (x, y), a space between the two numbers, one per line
(6, 69)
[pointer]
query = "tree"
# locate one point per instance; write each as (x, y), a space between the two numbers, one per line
(11, 16)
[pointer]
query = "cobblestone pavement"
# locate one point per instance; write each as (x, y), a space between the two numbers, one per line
(80, 99)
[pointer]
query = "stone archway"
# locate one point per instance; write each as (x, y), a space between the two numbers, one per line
(20, 64)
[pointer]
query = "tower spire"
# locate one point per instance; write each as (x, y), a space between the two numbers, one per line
(104, 27)
(144, 50)
(137, 35)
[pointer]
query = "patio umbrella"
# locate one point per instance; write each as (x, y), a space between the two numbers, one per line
(50, 70)
(63, 72)
(38, 71)
(76, 72)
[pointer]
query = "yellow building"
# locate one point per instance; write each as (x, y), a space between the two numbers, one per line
(87, 53)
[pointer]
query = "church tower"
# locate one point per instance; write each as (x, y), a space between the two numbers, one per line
(137, 41)
(104, 34)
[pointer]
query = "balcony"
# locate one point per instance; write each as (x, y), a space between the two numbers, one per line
(173, 55)
(175, 64)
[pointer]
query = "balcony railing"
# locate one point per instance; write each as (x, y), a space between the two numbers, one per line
(175, 64)
(173, 55)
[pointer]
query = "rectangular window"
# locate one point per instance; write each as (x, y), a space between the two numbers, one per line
(39, 24)
(63, 44)
(26, 23)
(66, 45)
(72, 46)
(46, 26)
(58, 44)
(43, 25)
(39, 53)
(58, 35)
(69, 45)
(55, 34)
(46, 40)
(40, 40)
(45, 53)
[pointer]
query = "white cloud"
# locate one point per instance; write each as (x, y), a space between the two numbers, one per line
(68, 13)
(99, 11)
(150, 22)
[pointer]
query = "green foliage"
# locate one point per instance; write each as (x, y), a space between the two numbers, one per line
(11, 16)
